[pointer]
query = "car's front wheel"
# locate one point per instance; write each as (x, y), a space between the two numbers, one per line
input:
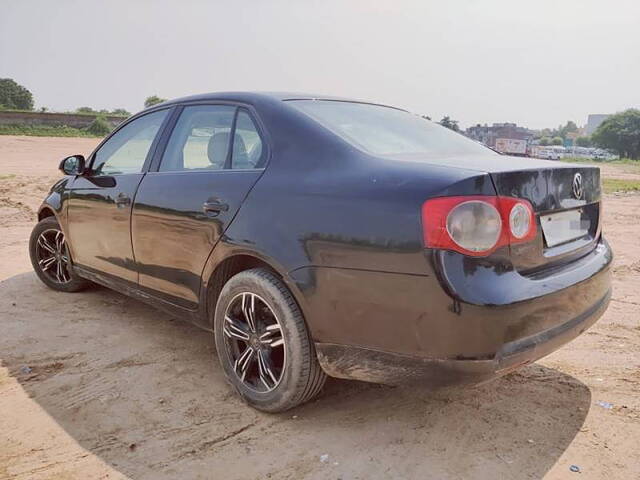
(263, 343)
(50, 257)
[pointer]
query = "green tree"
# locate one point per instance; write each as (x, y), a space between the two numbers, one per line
(546, 132)
(99, 127)
(545, 141)
(583, 141)
(14, 96)
(153, 100)
(121, 111)
(621, 133)
(85, 110)
(450, 124)
(570, 127)
(556, 141)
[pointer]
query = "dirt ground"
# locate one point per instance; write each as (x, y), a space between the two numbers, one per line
(97, 385)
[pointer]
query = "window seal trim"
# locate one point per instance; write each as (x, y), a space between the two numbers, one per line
(232, 138)
(154, 165)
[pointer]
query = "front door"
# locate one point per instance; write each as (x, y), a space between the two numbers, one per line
(212, 159)
(99, 207)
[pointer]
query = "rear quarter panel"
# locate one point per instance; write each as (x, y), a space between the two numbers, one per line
(353, 212)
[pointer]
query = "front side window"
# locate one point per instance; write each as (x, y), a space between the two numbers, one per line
(200, 139)
(387, 131)
(127, 149)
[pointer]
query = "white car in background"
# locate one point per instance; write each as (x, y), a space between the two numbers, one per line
(548, 152)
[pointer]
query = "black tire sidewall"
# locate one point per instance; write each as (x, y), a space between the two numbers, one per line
(297, 340)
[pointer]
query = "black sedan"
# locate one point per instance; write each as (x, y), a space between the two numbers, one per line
(319, 236)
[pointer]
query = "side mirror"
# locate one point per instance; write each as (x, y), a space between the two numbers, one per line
(73, 165)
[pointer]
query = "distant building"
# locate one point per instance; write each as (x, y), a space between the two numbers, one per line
(489, 134)
(594, 120)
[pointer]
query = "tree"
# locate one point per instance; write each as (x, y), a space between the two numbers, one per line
(14, 96)
(85, 110)
(99, 127)
(545, 141)
(568, 128)
(621, 133)
(556, 141)
(153, 100)
(583, 141)
(450, 124)
(121, 111)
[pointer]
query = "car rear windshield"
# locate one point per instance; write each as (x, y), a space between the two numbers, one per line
(388, 131)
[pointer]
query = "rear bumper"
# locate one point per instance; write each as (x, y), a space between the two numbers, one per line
(391, 328)
(370, 365)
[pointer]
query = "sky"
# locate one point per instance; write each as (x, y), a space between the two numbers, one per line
(536, 63)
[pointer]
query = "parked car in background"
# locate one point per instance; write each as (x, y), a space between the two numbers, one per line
(547, 152)
(323, 236)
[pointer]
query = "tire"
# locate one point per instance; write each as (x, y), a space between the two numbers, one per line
(291, 374)
(48, 249)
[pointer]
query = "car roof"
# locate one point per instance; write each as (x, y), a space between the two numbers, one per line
(256, 96)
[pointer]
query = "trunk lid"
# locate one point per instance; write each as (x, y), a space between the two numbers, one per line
(566, 199)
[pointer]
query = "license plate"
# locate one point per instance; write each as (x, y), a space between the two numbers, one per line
(563, 227)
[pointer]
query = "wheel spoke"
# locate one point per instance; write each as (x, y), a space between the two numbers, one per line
(241, 365)
(249, 310)
(277, 342)
(64, 271)
(265, 371)
(234, 330)
(60, 272)
(45, 245)
(46, 263)
(273, 336)
(59, 241)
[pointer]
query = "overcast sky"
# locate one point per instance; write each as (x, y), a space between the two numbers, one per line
(537, 63)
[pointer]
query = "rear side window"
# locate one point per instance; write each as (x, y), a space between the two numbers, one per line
(200, 139)
(247, 145)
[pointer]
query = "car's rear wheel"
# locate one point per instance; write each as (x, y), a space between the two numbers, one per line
(50, 257)
(263, 343)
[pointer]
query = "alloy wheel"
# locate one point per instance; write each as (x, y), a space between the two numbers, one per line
(254, 342)
(53, 256)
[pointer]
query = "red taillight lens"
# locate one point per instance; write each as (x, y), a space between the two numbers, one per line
(476, 225)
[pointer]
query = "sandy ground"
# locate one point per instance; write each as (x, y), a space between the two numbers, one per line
(97, 385)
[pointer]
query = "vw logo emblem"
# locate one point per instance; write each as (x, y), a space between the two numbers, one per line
(577, 186)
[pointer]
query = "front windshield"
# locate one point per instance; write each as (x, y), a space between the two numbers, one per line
(387, 131)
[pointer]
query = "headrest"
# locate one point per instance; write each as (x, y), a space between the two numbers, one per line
(217, 149)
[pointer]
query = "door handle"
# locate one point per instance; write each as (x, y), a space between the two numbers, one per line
(122, 200)
(214, 207)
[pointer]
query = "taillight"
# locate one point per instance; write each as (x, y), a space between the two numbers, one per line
(476, 225)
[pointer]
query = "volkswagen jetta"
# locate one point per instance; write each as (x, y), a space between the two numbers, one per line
(319, 236)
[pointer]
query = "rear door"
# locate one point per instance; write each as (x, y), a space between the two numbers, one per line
(99, 206)
(213, 157)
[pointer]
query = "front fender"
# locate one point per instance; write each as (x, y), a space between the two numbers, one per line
(55, 202)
